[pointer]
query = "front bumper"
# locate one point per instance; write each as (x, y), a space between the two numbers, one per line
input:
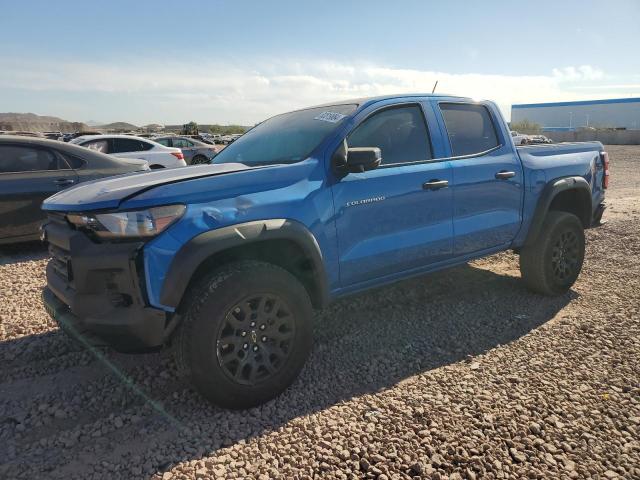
(96, 291)
(597, 215)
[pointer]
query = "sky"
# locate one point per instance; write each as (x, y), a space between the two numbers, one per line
(239, 62)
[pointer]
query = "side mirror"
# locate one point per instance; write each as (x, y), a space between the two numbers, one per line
(356, 159)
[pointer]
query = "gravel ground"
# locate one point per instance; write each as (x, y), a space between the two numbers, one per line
(463, 374)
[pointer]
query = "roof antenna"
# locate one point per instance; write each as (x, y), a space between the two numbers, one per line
(434, 87)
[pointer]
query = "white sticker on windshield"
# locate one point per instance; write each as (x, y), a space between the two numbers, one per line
(331, 117)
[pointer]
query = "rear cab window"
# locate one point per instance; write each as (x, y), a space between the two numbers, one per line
(470, 128)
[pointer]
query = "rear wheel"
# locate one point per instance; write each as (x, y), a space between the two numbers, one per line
(552, 265)
(199, 160)
(246, 334)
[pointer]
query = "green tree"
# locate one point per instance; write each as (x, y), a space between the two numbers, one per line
(226, 129)
(190, 128)
(527, 127)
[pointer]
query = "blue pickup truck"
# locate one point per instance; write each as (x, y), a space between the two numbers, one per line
(226, 262)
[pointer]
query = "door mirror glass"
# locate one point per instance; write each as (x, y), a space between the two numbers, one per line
(361, 159)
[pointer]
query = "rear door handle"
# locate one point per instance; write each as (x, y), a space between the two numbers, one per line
(63, 181)
(503, 175)
(435, 184)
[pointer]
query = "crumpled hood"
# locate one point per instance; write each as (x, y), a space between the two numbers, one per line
(109, 192)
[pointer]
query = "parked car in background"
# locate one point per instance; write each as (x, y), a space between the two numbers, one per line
(53, 135)
(519, 138)
(67, 137)
(205, 138)
(129, 146)
(538, 139)
(23, 134)
(194, 151)
(228, 139)
(32, 169)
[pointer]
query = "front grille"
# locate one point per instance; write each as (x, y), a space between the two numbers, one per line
(60, 257)
(61, 261)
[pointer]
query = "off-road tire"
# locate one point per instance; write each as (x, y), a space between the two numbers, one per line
(545, 270)
(206, 314)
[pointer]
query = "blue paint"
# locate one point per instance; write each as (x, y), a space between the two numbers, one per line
(404, 231)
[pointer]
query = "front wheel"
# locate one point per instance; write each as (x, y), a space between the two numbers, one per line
(246, 334)
(552, 265)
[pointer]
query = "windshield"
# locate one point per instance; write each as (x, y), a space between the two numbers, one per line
(286, 138)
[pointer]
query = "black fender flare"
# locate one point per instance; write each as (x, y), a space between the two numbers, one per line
(201, 247)
(550, 191)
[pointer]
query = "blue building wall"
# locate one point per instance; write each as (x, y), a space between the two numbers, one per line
(616, 113)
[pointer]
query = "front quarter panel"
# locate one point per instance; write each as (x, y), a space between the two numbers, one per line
(285, 192)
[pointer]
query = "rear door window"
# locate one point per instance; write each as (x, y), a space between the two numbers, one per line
(164, 141)
(73, 161)
(399, 132)
(181, 143)
(470, 128)
(16, 158)
(98, 145)
(122, 145)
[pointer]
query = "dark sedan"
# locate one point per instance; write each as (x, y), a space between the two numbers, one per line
(195, 152)
(32, 169)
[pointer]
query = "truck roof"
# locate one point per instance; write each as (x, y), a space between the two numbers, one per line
(365, 101)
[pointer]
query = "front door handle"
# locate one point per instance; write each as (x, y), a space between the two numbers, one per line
(435, 184)
(503, 175)
(64, 181)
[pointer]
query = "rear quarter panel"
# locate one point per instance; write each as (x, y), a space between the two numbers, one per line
(544, 163)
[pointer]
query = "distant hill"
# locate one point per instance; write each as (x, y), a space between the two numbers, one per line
(120, 126)
(30, 122)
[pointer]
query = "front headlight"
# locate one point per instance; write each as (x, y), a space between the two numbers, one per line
(131, 224)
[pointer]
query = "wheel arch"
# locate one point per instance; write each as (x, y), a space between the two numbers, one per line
(198, 155)
(567, 194)
(282, 242)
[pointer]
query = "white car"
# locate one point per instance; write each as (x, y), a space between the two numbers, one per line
(519, 138)
(129, 146)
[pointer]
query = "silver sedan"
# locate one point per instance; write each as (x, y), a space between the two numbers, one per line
(195, 152)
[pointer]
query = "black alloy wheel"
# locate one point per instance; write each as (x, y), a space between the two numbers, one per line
(255, 339)
(565, 255)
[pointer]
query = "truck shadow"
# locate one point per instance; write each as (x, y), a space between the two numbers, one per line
(363, 344)
(18, 252)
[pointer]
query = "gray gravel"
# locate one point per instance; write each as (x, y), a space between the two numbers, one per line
(463, 374)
